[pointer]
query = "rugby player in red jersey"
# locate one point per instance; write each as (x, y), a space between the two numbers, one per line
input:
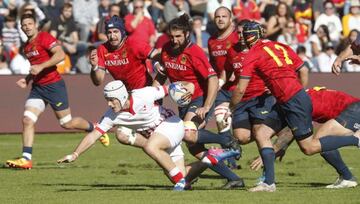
(43, 52)
(218, 46)
(185, 61)
(351, 53)
(329, 107)
(123, 57)
(255, 108)
(273, 62)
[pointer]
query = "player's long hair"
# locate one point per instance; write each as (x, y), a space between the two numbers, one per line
(182, 22)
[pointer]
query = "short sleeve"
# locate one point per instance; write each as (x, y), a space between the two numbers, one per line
(141, 50)
(101, 58)
(47, 41)
(202, 65)
(249, 66)
(107, 121)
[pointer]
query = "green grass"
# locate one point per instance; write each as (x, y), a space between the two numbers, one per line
(123, 174)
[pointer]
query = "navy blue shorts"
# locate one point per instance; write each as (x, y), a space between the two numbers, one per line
(350, 117)
(298, 115)
(54, 94)
(195, 104)
(223, 96)
(255, 110)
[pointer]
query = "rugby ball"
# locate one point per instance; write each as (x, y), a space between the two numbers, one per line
(176, 92)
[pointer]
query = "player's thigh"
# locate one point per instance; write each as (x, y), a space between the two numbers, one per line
(332, 127)
(298, 115)
(172, 129)
(56, 95)
(350, 117)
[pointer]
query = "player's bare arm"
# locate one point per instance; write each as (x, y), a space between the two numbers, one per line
(336, 67)
(97, 75)
(213, 84)
(84, 145)
(304, 76)
(238, 92)
(58, 55)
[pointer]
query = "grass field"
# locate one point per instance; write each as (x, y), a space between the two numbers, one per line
(122, 174)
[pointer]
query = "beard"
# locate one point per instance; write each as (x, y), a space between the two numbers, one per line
(181, 48)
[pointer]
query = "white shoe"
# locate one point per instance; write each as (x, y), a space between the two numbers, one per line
(342, 183)
(263, 187)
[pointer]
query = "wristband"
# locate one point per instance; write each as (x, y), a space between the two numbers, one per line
(75, 154)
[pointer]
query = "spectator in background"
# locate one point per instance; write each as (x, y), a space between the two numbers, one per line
(157, 10)
(199, 36)
(104, 8)
(174, 8)
(301, 52)
(114, 10)
(198, 7)
(318, 8)
(4, 66)
(267, 9)
(10, 36)
(326, 58)
(139, 26)
(350, 67)
(64, 29)
(163, 38)
(86, 16)
(124, 8)
(319, 40)
(303, 16)
(276, 24)
(352, 20)
(331, 20)
(288, 36)
(4, 11)
(246, 9)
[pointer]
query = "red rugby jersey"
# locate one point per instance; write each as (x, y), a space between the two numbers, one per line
(218, 49)
(276, 64)
(127, 63)
(256, 86)
(191, 65)
(37, 51)
(328, 104)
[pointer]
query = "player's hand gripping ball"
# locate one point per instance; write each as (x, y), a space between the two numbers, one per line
(181, 93)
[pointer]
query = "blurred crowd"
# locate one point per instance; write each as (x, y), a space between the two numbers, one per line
(317, 29)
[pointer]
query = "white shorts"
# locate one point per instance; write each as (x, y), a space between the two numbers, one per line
(173, 129)
(176, 153)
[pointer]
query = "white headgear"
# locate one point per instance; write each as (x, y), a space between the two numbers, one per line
(116, 89)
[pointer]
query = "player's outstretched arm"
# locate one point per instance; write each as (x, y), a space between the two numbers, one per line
(84, 145)
(336, 67)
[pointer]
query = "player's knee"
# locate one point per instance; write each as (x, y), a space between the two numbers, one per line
(190, 135)
(243, 138)
(308, 150)
(27, 121)
(223, 124)
(65, 122)
(126, 136)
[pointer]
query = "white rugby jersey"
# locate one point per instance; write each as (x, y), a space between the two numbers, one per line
(143, 116)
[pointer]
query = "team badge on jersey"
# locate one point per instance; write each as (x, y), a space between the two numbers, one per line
(124, 53)
(228, 44)
(183, 59)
